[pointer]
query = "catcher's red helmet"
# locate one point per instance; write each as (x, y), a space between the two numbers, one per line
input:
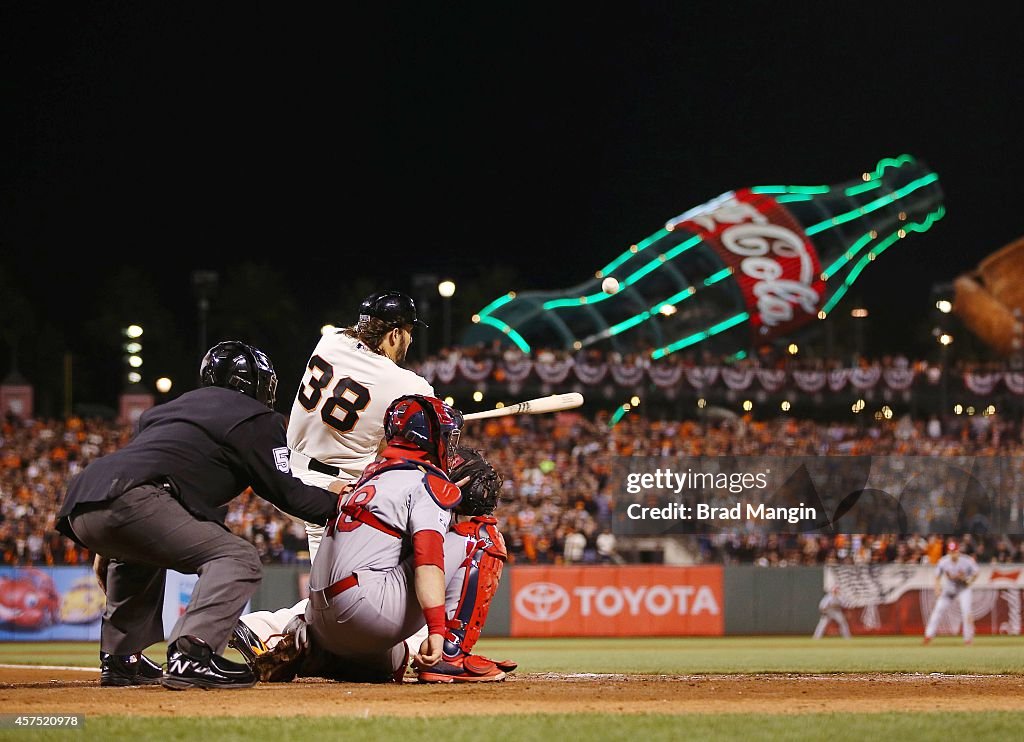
(426, 423)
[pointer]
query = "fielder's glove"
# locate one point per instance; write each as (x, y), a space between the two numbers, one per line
(281, 663)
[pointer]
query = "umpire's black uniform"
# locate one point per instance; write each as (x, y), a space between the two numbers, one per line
(159, 503)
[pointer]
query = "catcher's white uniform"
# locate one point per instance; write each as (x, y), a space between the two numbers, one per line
(955, 574)
(337, 421)
(368, 622)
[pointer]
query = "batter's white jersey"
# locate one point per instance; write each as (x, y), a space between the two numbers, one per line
(337, 417)
(963, 568)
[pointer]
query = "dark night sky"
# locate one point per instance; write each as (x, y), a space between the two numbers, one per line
(372, 141)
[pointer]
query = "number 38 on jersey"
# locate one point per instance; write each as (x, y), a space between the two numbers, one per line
(339, 400)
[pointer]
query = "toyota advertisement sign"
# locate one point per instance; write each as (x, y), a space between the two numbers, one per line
(617, 601)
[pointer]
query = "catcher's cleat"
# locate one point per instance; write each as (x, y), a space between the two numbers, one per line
(191, 663)
(927, 640)
(503, 665)
(120, 671)
(244, 640)
(468, 668)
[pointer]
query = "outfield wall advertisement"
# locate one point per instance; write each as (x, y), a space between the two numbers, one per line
(616, 601)
(899, 598)
(49, 604)
(66, 603)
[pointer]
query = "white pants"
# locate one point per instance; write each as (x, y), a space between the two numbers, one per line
(314, 533)
(833, 615)
(943, 604)
(269, 625)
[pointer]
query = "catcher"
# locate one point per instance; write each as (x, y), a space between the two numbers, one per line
(391, 562)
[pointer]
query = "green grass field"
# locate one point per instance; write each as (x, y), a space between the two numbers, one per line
(911, 727)
(668, 656)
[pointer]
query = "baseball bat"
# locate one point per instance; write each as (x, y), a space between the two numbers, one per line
(553, 403)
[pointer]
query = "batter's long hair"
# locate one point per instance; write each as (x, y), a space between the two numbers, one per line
(370, 332)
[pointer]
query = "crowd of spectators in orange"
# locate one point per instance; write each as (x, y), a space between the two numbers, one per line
(557, 501)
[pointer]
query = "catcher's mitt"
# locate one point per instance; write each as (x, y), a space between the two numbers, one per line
(280, 664)
(480, 493)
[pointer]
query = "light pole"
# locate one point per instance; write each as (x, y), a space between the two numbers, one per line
(447, 290)
(945, 340)
(204, 283)
(859, 314)
(133, 353)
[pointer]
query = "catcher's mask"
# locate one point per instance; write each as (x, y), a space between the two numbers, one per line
(233, 364)
(480, 494)
(425, 423)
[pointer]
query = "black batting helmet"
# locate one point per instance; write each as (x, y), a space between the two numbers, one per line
(392, 307)
(233, 364)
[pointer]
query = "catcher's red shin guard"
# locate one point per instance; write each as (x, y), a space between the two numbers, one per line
(485, 558)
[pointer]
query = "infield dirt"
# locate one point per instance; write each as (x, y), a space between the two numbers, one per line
(43, 690)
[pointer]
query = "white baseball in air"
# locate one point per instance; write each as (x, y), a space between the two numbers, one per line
(610, 285)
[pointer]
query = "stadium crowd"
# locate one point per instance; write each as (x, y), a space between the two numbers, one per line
(557, 504)
(767, 357)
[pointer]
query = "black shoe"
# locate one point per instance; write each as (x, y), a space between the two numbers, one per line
(191, 663)
(128, 669)
(247, 643)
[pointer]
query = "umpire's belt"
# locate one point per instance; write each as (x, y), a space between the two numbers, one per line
(315, 465)
(322, 598)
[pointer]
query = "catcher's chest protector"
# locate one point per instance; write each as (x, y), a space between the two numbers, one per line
(485, 557)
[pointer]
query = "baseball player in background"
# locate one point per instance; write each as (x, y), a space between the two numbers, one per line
(831, 609)
(391, 562)
(336, 424)
(954, 575)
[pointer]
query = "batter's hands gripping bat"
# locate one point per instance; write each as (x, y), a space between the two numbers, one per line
(554, 403)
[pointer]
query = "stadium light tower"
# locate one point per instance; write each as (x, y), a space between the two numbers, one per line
(447, 290)
(133, 353)
(204, 283)
(859, 314)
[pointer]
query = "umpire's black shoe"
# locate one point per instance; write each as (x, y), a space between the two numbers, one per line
(247, 643)
(128, 669)
(191, 663)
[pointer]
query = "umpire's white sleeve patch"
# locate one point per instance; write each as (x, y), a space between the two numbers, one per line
(281, 458)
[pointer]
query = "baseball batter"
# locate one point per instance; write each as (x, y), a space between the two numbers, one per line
(954, 575)
(336, 425)
(831, 609)
(368, 592)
